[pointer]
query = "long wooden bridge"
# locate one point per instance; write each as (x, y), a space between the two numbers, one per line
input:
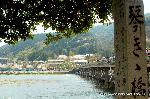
(104, 73)
(104, 66)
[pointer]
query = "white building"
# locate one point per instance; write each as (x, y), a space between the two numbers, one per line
(80, 61)
(77, 57)
(62, 57)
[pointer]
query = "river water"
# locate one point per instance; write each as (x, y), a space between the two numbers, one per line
(64, 86)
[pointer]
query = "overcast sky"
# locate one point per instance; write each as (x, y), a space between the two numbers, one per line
(146, 6)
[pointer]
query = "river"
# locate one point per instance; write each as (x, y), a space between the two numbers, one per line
(64, 86)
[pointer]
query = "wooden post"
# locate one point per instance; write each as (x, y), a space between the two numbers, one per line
(130, 45)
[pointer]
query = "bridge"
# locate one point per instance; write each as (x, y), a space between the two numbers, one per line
(103, 73)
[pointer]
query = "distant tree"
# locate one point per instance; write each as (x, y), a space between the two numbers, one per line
(71, 53)
(40, 55)
(67, 17)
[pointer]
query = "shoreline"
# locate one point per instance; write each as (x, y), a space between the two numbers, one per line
(32, 72)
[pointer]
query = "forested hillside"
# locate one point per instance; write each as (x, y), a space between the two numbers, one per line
(98, 40)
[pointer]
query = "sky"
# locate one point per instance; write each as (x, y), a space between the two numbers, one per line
(40, 29)
(146, 6)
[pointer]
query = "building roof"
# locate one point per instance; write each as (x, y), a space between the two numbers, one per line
(62, 57)
(81, 61)
(55, 60)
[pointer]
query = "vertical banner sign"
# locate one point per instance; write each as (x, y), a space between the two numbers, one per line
(130, 45)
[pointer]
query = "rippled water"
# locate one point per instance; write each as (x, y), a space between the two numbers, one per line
(65, 86)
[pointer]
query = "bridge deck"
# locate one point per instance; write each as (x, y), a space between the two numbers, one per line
(107, 66)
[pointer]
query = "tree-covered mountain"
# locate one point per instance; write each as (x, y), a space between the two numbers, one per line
(98, 40)
(147, 29)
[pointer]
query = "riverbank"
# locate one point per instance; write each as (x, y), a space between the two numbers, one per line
(32, 72)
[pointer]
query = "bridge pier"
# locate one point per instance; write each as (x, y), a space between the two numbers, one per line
(99, 74)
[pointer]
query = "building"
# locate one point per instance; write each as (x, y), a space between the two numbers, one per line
(77, 57)
(54, 64)
(62, 57)
(80, 62)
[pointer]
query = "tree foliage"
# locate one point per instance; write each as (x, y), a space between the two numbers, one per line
(67, 17)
